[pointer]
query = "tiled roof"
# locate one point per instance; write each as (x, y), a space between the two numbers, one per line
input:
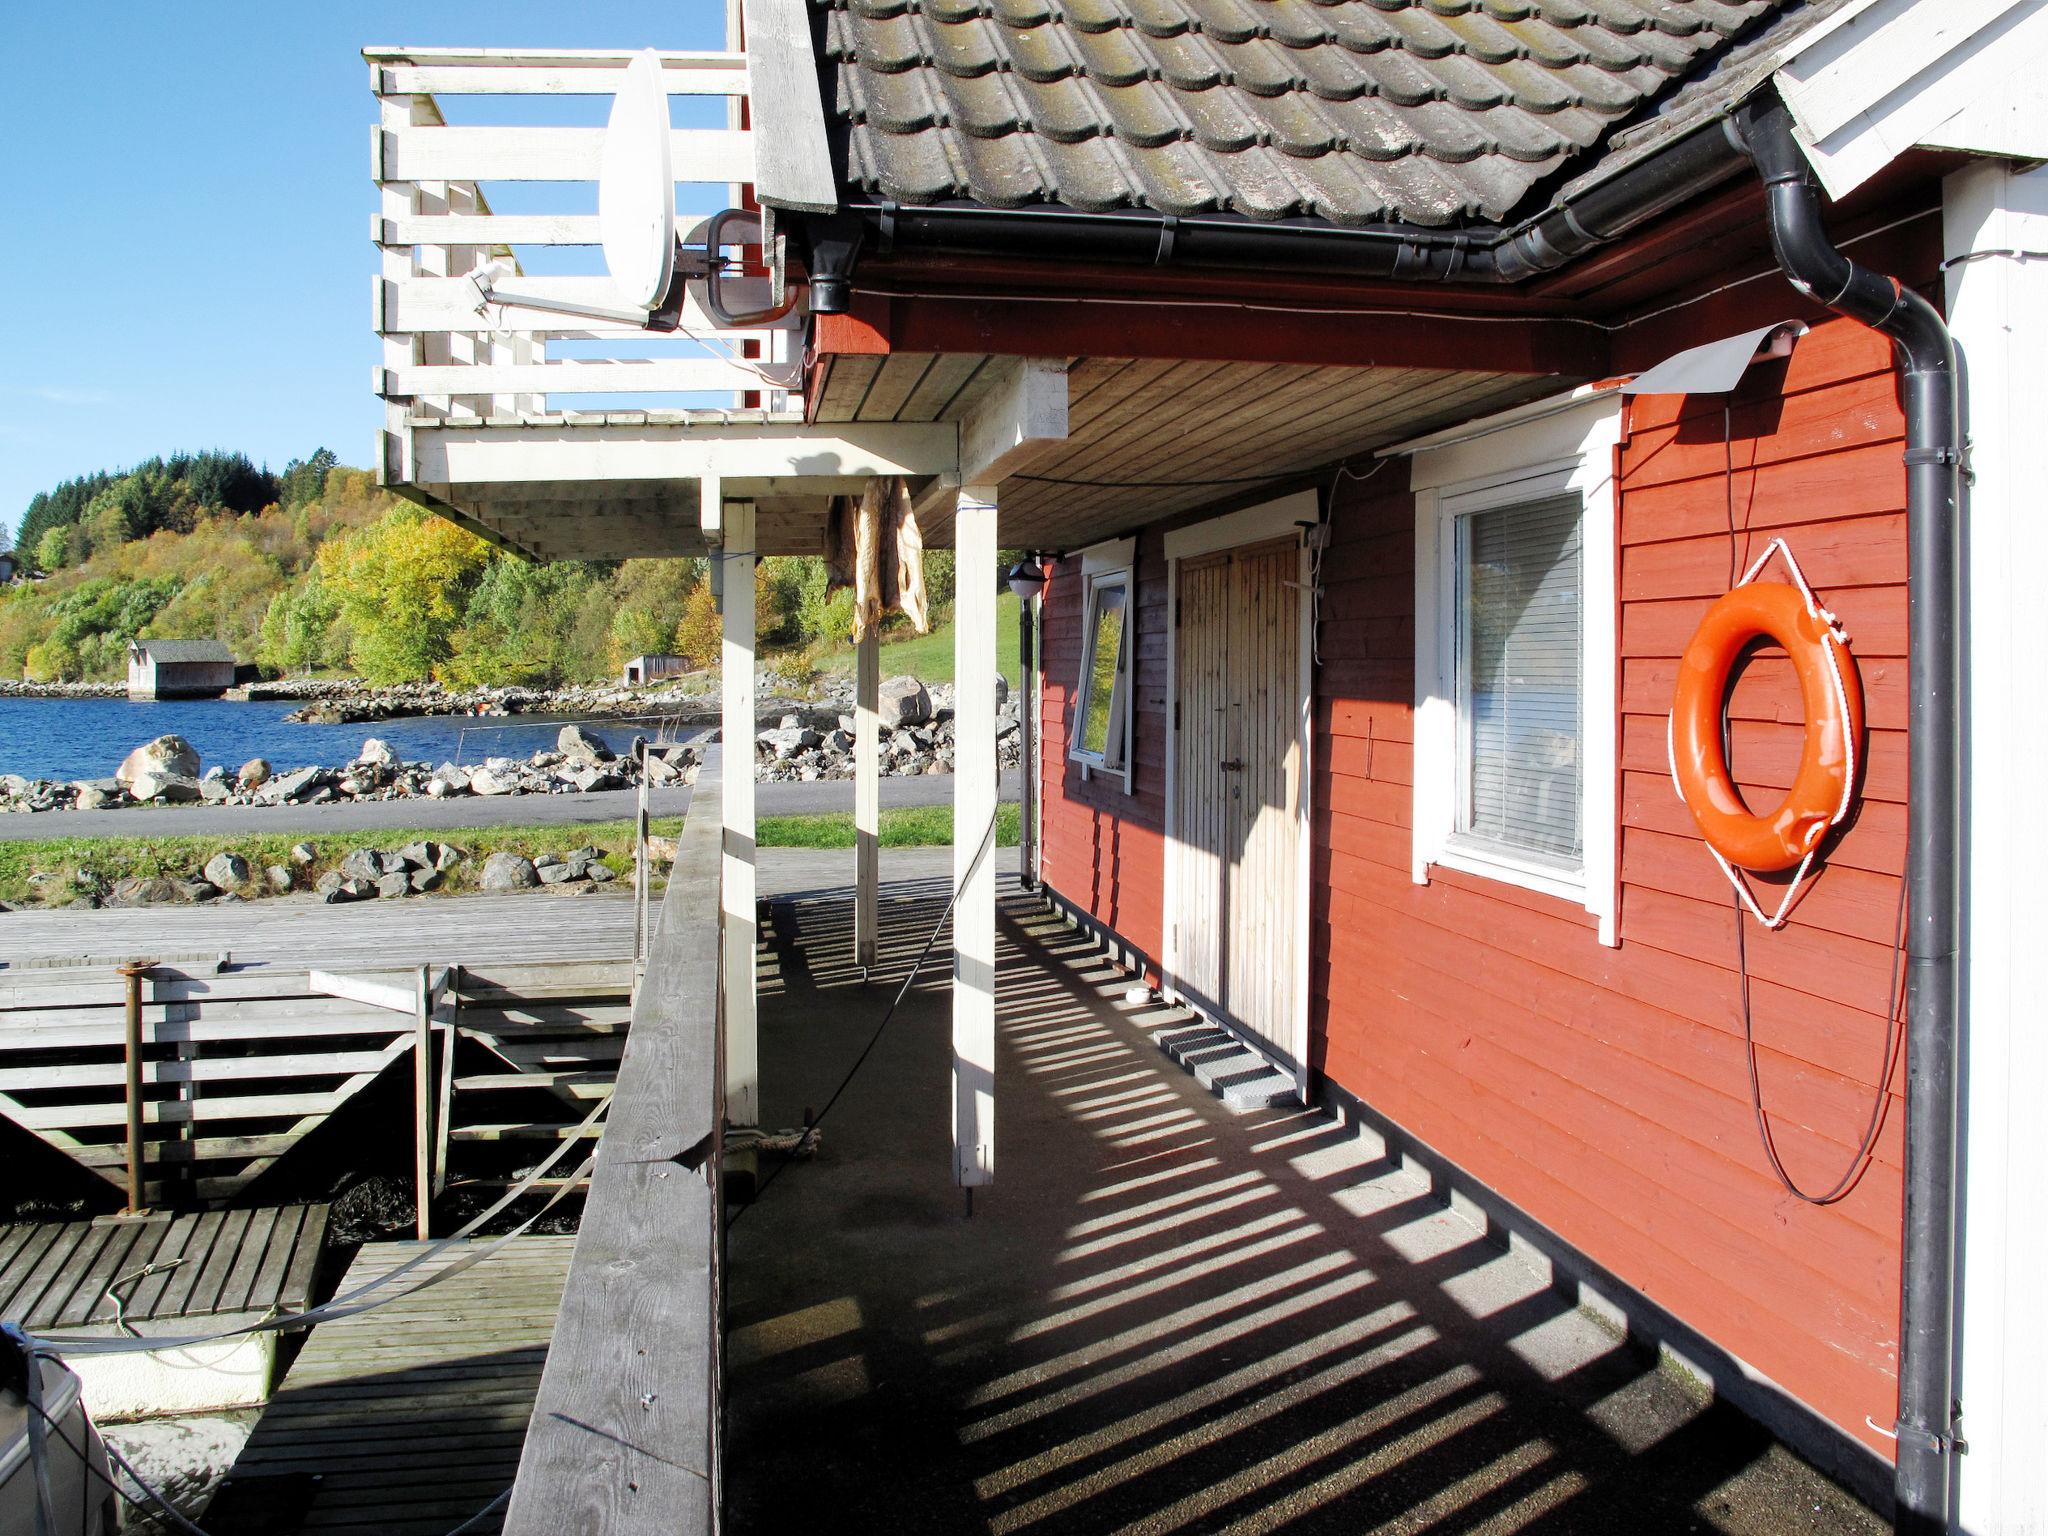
(1431, 112)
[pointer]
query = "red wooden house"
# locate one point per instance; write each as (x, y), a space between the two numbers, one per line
(1394, 386)
(1363, 307)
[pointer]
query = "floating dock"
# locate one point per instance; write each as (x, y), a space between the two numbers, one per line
(201, 1272)
(409, 1418)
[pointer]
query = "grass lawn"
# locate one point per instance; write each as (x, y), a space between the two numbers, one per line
(903, 826)
(51, 871)
(929, 658)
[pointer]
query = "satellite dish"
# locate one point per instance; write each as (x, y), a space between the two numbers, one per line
(636, 187)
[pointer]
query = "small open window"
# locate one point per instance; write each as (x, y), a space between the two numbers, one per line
(1101, 740)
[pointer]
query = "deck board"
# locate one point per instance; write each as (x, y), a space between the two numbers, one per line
(411, 1416)
(54, 1275)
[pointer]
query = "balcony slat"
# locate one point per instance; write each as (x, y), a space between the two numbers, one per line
(550, 154)
(668, 375)
(449, 304)
(490, 229)
(710, 75)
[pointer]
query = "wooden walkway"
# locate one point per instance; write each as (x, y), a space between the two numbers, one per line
(408, 1419)
(56, 1275)
(442, 930)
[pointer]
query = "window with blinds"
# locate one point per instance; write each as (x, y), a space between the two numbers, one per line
(1520, 602)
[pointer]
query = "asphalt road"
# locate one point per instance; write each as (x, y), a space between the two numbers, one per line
(771, 799)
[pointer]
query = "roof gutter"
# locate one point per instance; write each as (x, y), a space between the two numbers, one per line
(1928, 1413)
(1589, 215)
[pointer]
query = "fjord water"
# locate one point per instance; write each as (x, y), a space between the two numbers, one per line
(87, 738)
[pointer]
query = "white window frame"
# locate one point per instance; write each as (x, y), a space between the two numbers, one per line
(1103, 566)
(1551, 449)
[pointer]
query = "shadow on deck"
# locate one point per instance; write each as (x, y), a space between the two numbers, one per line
(1162, 1317)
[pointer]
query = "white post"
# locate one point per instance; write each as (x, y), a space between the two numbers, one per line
(742, 1048)
(974, 808)
(867, 797)
(1993, 210)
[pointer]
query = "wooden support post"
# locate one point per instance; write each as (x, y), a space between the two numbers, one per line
(974, 809)
(423, 1106)
(450, 1023)
(742, 1053)
(132, 1079)
(867, 798)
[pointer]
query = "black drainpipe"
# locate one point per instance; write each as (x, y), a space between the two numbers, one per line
(1928, 1412)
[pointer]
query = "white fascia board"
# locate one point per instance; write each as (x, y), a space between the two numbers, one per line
(1892, 75)
(460, 454)
(1500, 421)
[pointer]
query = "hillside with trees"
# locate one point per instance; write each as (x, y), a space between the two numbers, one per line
(316, 571)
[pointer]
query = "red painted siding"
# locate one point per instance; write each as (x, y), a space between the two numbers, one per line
(1104, 849)
(1604, 1090)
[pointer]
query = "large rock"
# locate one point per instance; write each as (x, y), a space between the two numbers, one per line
(304, 854)
(579, 745)
(143, 891)
(378, 754)
(494, 781)
(904, 701)
(508, 872)
(253, 774)
(363, 864)
(396, 884)
(227, 870)
(167, 755)
(93, 795)
(165, 788)
(278, 878)
(299, 782)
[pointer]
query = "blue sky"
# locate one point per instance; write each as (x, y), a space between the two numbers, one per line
(187, 262)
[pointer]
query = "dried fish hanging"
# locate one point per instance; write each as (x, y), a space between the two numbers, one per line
(874, 547)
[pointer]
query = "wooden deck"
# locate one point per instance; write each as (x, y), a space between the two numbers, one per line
(409, 1418)
(465, 930)
(57, 1275)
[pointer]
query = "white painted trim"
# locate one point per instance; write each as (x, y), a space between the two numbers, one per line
(1501, 421)
(737, 881)
(974, 872)
(1110, 563)
(1998, 311)
(1109, 555)
(1253, 525)
(1471, 473)
(1885, 77)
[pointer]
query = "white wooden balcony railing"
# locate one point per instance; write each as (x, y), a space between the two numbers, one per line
(475, 164)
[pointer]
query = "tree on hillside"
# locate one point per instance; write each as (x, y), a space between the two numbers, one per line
(401, 585)
(304, 480)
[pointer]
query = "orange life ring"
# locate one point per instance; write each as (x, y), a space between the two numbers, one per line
(1822, 792)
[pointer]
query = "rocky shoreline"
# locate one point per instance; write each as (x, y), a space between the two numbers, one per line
(804, 743)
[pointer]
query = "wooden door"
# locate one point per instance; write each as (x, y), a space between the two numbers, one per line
(1238, 786)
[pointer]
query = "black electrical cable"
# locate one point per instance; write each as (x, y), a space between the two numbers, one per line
(874, 1039)
(1892, 997)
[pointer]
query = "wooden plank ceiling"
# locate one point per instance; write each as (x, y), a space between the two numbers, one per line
(1150, 438)
(1147, 439)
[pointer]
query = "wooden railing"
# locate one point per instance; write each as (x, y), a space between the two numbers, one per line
(624, 1435)
(451, 356)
